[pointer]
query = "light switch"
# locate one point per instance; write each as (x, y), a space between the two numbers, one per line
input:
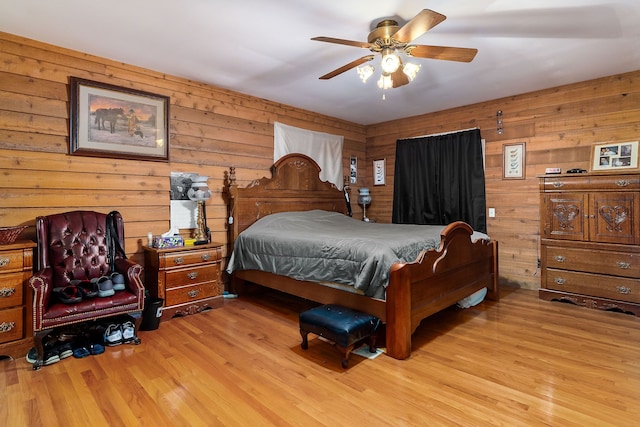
(492, 212)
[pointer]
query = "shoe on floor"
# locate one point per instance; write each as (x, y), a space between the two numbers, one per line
(113, 335)
(64, 350)
(80, 352)
(128, 332)
(51, 357)
(32, 355)
(96, 349)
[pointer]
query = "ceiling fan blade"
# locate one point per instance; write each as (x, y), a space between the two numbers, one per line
(399, 78)
(364, 45)
(347, 67)
(418, 25)
(461, 54)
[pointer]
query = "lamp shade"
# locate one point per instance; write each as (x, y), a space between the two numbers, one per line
(199, 190)
(364, 198)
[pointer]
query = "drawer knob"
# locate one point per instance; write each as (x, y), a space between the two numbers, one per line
(623, 265)
(192, 275)
(178, 260)
(559, 281)
(559, 258)
(193, 293)
(206, 257)
(7, 326)
(622, 183)
(4, 262)
(558, 184)
(623, 290)
(7, 292)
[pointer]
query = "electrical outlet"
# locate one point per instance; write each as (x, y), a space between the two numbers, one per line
(538, 262)
(492, 212)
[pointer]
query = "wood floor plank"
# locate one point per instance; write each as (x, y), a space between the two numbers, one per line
(517, 362)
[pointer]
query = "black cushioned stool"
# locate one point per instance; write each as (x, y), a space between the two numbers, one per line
(343, 326)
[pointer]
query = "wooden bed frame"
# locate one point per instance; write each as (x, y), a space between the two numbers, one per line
(434, 281)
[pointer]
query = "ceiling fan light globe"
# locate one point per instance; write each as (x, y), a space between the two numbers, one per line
(411, 70)
(385, 81)
(390, 61)
(365, 72)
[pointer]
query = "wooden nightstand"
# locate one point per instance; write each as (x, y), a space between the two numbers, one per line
(16, 323)
(188, 279)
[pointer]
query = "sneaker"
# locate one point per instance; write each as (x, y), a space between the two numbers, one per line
(128, 332)
(113, 335)
(32, 355)
(51, 357)
(64, 350)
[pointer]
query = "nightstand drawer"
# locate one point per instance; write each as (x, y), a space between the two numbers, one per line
(196, 292)
(11, 325)
(597, 285)
(11, 289)
(594, 261)
(193, 275)
(11, 261)
(192, 257)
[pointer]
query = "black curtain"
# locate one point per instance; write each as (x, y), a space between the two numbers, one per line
(440, 179)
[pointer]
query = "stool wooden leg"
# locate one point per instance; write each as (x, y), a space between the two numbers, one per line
(305, 342)
(372, 344)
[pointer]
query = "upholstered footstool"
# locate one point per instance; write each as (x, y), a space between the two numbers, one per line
(341, 325)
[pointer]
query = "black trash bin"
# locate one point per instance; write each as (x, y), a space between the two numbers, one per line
(151, 314)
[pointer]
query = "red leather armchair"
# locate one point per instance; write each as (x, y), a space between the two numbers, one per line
(73, 246)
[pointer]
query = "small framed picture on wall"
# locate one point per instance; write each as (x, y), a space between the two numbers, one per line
(611, 156)
(379, 172)
(513, 161)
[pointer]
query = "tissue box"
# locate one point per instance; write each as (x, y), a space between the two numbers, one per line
(168, 242)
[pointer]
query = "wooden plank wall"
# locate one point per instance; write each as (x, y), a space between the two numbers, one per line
(558, 125)
(210, 130)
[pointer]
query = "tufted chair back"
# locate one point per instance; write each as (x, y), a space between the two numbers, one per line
(75, 246)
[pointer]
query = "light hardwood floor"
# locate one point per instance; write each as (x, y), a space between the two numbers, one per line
(521, 361)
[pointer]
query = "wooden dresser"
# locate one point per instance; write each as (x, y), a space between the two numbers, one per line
(590, 237)
(16, 325)
(188, 279)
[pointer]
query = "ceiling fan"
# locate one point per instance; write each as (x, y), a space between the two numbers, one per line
(389, 39)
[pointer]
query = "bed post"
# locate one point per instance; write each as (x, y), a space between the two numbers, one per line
(398, 308)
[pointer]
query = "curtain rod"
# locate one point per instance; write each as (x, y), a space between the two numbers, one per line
(442, 133)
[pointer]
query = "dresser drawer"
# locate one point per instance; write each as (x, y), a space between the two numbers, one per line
(11, 324)
(184, 294)
(191, 257)
(590, 183)
(597, 285)
(195, 274)
(11, 261)
(594, 261)
(11, 289)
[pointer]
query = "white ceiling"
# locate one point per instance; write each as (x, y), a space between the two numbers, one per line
(263, 47)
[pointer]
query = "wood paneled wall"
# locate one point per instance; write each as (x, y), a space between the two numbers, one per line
(210, 130)
(558, 125)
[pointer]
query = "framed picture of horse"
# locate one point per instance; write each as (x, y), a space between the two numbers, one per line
(112, 121)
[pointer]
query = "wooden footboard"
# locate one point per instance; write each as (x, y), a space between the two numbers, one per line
(436, 280)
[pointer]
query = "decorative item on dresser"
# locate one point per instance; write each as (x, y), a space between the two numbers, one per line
(590, 240)
(187, 278)
(16, 265)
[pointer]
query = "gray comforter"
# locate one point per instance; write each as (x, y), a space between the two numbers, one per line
(321, 246)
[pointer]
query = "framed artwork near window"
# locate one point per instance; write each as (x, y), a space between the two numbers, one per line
(513, 161)
(112, 121)
(379, 171)
(611, 156)
(353, 170)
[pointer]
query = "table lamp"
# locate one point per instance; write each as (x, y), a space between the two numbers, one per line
(364, 199)
(199, 193)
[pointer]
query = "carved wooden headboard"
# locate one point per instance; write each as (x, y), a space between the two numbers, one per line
(295, 185)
